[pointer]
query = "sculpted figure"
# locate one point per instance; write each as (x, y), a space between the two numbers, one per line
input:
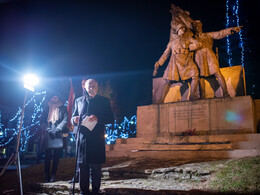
(179, 15)
(181, 64)
(206, 59)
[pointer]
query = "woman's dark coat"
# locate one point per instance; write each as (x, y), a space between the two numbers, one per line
(53, 133)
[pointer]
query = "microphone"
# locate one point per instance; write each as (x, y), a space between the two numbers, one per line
(85, 102)
(86, 95)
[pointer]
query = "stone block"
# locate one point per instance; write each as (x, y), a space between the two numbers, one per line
(147, 123)
(109, 148)
(257, 115)
(229, 115)
(121, 141)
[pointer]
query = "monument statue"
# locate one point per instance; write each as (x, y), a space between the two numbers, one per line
(181, 64)
(182, 46)
(180, 49)
(206, 58)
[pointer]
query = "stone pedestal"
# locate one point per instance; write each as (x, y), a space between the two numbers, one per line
(208, 116)
(257, 115)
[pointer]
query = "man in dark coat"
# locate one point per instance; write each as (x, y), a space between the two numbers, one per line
(79, 107)
(53, 122)
(92, 141)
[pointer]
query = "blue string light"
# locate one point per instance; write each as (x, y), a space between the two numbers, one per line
(126, 129)
(231, 21)
(30, 125)
(228, 41)
(241, 43)
(1, 128)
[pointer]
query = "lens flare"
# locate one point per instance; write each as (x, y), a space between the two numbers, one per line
(30, 81)
(232, 116)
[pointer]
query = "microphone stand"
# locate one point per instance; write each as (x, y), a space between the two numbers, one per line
(77, 153)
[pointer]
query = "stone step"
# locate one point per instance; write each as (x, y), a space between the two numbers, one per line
(160, 147)
(246, 145)
(196, 139)
(181, 147)
(242, 141)
(199, 155)
(211, 132)
(116, 154)
(127, 147)
(244, 153)
(132, 140)
(235, 137)
(189, 155)
(188, 147)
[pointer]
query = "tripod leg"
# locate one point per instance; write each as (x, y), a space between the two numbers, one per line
(19, 173)
(8, 163)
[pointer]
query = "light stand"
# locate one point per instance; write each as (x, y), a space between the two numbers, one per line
(15, 157)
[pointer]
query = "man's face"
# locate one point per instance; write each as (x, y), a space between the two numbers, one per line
(83, 84)
(91, 87)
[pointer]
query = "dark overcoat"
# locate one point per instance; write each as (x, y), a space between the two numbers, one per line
(92, 143)
(54, 140)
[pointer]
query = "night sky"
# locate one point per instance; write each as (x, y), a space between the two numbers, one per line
(112, 40)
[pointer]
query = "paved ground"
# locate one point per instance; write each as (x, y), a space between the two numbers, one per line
(124, 176)
(130, 177)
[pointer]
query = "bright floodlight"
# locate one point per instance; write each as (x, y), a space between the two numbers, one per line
(30, 81)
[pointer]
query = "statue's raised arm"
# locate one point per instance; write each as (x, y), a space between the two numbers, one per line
(206, 58)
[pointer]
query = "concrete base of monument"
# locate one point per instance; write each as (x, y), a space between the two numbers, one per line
(208, 129)
(207, 116)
